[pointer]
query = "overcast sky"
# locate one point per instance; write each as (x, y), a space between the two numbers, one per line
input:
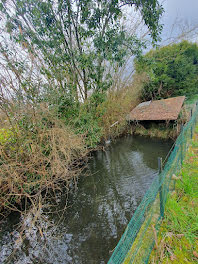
(183, 13)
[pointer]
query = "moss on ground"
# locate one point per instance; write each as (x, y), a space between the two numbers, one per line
(178, 234)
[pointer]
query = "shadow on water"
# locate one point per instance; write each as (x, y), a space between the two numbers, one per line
(99, 210)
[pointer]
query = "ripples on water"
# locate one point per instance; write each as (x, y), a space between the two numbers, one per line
(98, 211)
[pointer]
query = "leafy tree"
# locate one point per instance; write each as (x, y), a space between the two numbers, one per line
(75, 39)
(172, 71)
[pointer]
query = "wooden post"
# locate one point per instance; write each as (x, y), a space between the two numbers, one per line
(182, 138)
(161, 188)
(196, 110)
(191, 113)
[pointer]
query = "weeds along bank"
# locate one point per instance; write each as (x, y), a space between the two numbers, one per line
(44, 147)
(38, 153)
(177, 237)
(161, 131)
(117, 106)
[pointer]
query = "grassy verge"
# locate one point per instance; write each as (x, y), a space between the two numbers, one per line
(178, 234)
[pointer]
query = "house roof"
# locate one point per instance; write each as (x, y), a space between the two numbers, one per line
(165, 109)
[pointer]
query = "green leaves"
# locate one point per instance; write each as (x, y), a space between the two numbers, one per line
(172, 70)
(75, 40)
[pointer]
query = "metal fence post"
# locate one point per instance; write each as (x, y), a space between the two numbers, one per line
(161, 188)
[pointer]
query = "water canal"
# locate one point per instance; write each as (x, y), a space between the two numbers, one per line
(98, 211)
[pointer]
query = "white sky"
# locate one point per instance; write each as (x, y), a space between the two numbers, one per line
(185, 9)
(184, 13)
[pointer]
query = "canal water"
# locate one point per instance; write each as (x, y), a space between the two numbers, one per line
(97, 212)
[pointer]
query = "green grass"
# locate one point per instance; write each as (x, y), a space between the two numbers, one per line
(192, 99)
(178, 235)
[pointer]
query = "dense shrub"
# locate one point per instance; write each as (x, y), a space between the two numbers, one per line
(86, 123)
(83, 118)
(172, 71)
(37, 155)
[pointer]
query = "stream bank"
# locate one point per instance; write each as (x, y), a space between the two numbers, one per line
(97, 212)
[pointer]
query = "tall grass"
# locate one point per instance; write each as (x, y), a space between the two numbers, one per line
(177, 240)
(118, 104)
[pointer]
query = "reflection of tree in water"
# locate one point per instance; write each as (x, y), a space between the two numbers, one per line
(151, 149)
(108, 211)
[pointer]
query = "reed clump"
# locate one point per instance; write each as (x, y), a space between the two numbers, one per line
(122, 98)
(156, 130)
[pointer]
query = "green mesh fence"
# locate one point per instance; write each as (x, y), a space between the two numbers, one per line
(138, 239)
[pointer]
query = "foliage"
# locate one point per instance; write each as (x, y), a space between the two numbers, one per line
(95, 117)
(117, 106)
(86, 123)
(192, 99)
(172, 71)
(75, 40)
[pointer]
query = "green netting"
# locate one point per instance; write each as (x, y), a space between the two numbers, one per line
(138, 239)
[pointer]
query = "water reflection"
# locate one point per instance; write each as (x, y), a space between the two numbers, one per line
(101, 207)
